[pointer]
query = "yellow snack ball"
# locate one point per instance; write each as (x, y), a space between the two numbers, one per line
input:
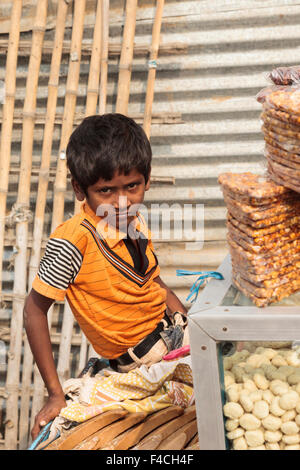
(279, 387)
(249, 385)
(272, 446)
(232, 393)
(275, 408)
(233, 410)
(278, 361)
(267, 396)
(260, 381)
(273, 436)
(240, 444)
(288, 416)
(271, 423)
(289, 400)
(291, 439)
(254, 438)
(289, 427)
(246, 402)
(260, 409)
(249, 422)
(231, 424)
(238, 432)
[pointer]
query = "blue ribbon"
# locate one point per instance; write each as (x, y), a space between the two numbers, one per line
(43, 435)
(199, 281)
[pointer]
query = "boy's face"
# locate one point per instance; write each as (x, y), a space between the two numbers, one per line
(117, 195)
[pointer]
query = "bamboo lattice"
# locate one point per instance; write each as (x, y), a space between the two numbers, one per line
(28, 231)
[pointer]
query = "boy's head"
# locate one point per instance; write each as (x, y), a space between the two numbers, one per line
(102, 146)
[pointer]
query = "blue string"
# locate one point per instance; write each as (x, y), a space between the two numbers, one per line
(199, 281)
(43, 435)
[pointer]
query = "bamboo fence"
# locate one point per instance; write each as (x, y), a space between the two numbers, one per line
(24, 389)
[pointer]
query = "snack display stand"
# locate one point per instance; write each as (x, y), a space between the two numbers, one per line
(220, 317)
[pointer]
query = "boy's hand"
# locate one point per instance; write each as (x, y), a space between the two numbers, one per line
(49, 411)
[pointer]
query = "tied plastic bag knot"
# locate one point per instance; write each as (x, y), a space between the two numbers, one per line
(202, 277)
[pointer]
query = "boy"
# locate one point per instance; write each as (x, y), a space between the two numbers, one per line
(108, 271)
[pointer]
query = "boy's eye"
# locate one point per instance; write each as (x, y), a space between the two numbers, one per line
(104, 190)
(132, 185)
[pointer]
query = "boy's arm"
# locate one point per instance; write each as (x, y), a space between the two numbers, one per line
(36, 326)
(172, 301)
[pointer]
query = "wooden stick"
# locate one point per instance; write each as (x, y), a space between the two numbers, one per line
(86, 429)
(8, 113)
(134, 435)
(114, 50)
(39, 217)
(126, 58)
(101, 438)
(153, 439)
(152, 66)
(23, 201)
(104, 55)
(180, 438)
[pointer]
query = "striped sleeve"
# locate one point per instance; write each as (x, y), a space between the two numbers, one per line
(58, 267)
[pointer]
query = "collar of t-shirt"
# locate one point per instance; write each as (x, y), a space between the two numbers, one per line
(111, 235)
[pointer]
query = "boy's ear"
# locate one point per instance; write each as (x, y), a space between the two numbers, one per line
(148, 182)
(80, 196)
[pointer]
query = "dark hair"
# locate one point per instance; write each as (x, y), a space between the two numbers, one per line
(101, 145)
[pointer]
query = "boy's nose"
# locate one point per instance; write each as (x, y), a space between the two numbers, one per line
(122, 203)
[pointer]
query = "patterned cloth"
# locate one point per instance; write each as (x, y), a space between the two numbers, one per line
(142, 389)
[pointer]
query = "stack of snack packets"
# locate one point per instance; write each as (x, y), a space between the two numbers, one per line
(263, 224)
(281, 126)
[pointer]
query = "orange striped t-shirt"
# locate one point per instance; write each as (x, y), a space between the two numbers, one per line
(110, 289)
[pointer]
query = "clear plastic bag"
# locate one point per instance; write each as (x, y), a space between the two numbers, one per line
(285, 75)
(287, 100)
(274, 278)
(271, 295)
(261, 232)
(263, 223)
(250, 185)
(265, 92)
(291, 286)
(289, 250)
(276, 238)
(267, 212)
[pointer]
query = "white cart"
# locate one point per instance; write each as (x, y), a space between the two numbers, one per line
(222, 314)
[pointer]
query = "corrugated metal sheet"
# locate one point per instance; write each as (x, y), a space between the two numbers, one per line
(213, 60)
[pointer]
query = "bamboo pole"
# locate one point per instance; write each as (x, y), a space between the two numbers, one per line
(152, 66)
(104, 55)
(23, 201)
(7, 126)
(91, 109)
(60, 186)
(39, 220)
(126, 58)
(94, 74)
(8, 115)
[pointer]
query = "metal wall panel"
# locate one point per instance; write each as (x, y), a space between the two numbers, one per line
(213, 60)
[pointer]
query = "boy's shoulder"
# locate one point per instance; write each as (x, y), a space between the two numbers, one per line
(71, 230)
